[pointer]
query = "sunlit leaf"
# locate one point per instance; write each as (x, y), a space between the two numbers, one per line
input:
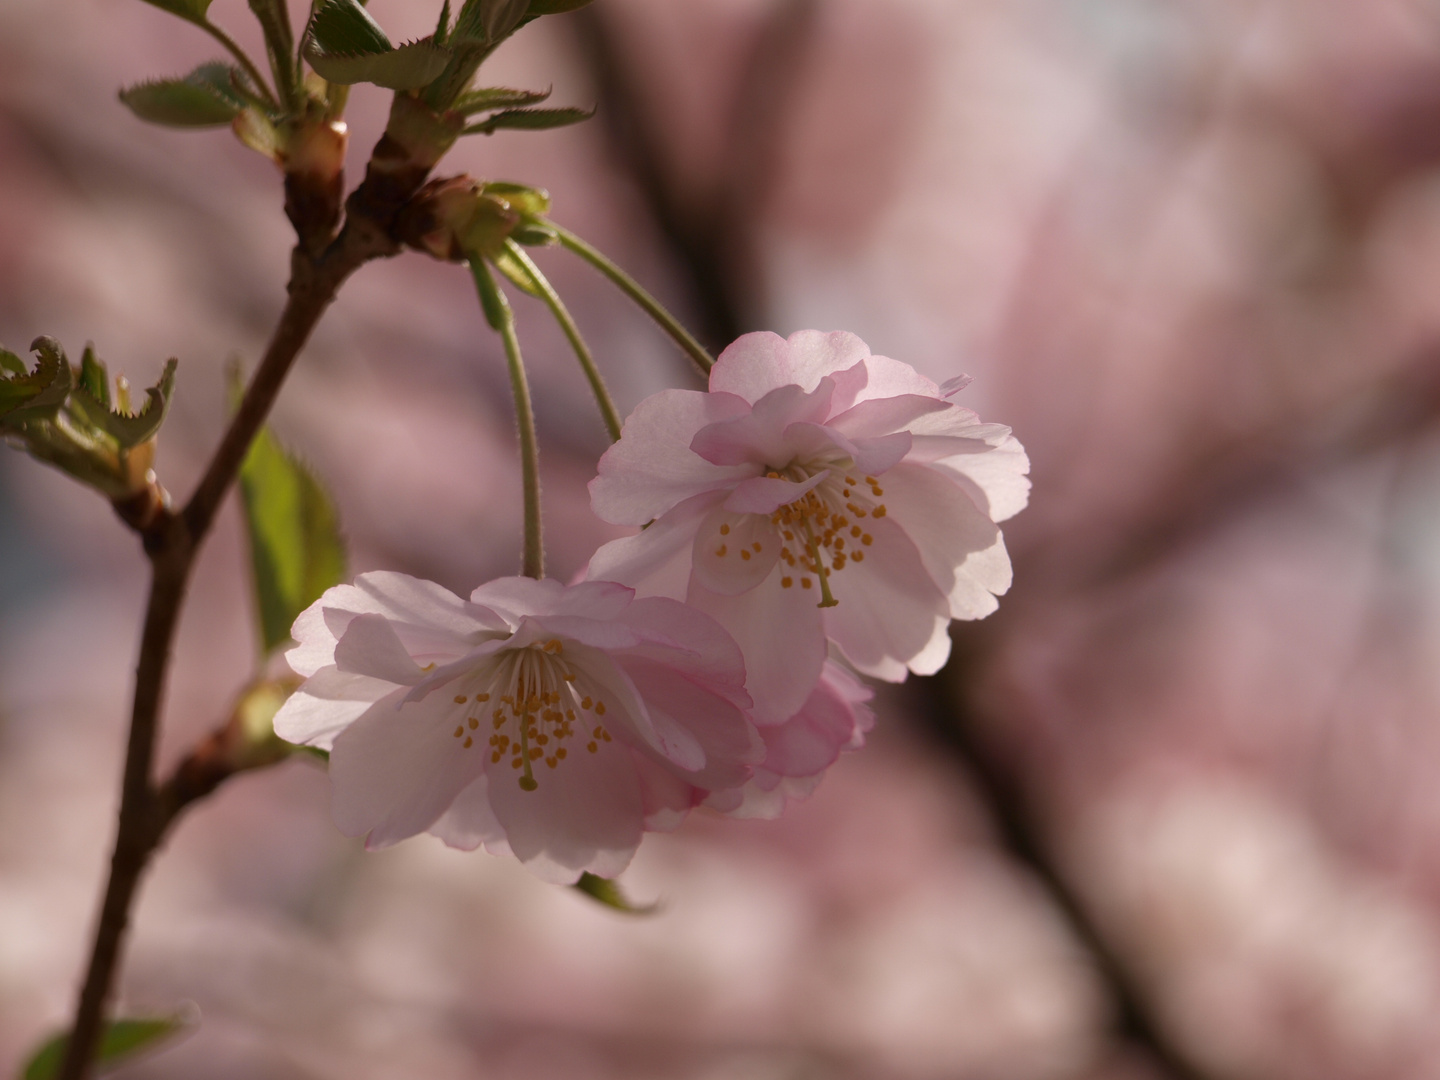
(496, 97)
(407, 68)
(529, 120)
(28, 395)
(94, 378)
(345, 28)
(121, 1041)
(608, 893)
(187, 102)
(127, 429)
(295, 543)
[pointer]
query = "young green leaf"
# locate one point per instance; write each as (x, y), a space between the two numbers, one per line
(407, 68)
(94, 378)
(127, 429)
(295, 543)
(121, 1041)
(529, 120)
(496, 97)
(608, 893)
(345, 28)
(187, 102)
(30, 395)
(193, 10)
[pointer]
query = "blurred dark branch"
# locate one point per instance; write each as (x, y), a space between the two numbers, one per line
(1229, 480)
(711, 243)
(710, 233)
(951, 721)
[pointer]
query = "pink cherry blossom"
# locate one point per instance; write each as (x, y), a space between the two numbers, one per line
(546, 721)
(835, 718)
(817, 491)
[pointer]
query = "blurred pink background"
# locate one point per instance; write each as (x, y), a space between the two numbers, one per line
(1167, 813)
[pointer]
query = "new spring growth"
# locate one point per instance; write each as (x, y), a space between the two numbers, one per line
(73, 419)
(457, 217)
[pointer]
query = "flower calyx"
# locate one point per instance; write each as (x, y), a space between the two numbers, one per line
(458, 217)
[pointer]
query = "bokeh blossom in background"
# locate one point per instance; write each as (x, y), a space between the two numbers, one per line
(1170, 811)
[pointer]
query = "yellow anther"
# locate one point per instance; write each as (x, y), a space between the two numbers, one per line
(745, 555)
(721, 550)
(858, 556)
(600, 708)
(460, 731)
(482, 698)
(855, 531)
(804, 582)
(724, 530)
(560, 753)
(586, 702)
(592, 746)
(786, 582)
(494, 757)
(473, 722)
(879, 511)
(867, 539)
(756, 545)
(460, 699)
(469, 742)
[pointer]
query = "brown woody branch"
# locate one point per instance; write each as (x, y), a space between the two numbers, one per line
(320, 264)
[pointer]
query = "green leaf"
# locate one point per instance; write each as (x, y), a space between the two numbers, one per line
(12, 363)
(442, 28)
(187, 102)
(127, 429)
(194, 10)
(31, 395)
(121, 1041)
(496, 97)
(407, 68)
(529, 120)
(295, 543)
(608, 893)
(345, 28)
(94, 378)
(228, 82)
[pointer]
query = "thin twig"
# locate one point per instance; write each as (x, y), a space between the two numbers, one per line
(502, 319)
(171, 542)
(242, 58)
(547, 292)
(633, 289)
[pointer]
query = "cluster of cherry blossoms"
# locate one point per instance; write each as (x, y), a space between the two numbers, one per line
(819, 512)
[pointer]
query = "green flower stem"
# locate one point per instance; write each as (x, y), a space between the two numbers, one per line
(242, 58)
(631, 288)
(501, 318)
(572, 333)
(274, 19)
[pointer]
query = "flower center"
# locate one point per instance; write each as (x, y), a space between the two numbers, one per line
(535, 714)
(823, 531)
